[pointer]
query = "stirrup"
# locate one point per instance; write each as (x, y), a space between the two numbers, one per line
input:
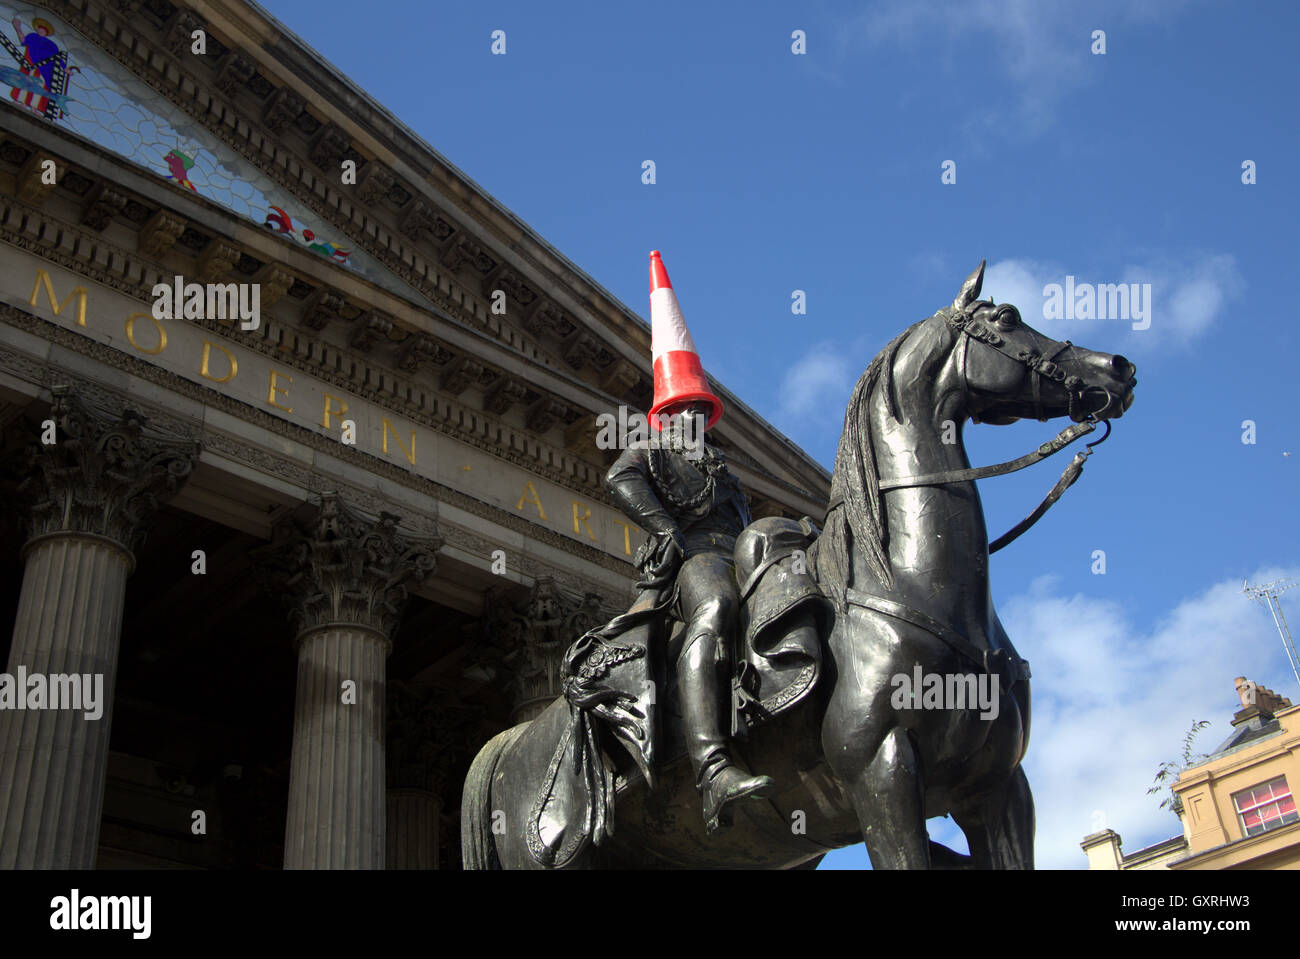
(727, 787)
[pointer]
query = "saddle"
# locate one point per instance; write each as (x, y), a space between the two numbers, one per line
(619, 691)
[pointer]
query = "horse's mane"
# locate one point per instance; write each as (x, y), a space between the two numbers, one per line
(860, 522)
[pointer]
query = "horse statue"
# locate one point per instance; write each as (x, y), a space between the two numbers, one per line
(902, 561)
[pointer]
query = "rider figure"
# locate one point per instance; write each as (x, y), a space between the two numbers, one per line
(679, 490)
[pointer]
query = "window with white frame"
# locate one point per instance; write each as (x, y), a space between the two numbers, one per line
(1265, 807)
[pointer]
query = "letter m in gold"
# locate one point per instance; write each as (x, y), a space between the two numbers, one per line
(79, 293)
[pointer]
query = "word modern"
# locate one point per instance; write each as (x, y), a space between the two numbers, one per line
(953, 691)
(73, 912)
(633, 430)
(308, 402)
(1105, 301)
(213, 301)
(84, 691)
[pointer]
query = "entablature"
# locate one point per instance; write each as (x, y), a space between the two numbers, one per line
(564, 351)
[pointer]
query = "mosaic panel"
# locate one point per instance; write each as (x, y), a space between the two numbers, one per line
(49, 69)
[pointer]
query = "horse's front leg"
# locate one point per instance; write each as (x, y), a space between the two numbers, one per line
(874, 759)
(889, 797)
(888, 794)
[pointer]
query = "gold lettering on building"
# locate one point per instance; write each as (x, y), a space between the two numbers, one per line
(79, 293)
(231, 363)
(409, 451)
(627, 536)
(333, 410)
(583, 519)
(274, 388)
(530, 496)
(330, 411)
(130, 333)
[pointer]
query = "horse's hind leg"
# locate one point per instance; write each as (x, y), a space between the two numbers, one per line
(888, 794)
(999, 825)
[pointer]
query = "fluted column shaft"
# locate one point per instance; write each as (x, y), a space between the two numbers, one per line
(94, 478)
(53, 761)
(336, 782)
(412, 829)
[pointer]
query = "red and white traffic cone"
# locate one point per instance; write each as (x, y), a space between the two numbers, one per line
(679, 377)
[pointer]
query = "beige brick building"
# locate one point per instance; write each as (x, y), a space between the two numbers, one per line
(1238, 807)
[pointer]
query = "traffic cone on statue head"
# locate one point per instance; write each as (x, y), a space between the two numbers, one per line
(679, 376)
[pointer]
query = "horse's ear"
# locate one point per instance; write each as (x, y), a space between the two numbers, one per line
(970, 289)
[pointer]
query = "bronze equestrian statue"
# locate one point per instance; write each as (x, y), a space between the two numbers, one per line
(901, 577)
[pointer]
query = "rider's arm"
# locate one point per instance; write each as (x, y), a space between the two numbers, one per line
(628, 482)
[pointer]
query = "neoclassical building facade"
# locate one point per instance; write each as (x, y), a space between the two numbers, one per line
(315, 557)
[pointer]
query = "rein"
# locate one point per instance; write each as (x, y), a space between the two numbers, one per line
(1052, 446)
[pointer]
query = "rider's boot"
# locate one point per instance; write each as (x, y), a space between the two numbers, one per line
(720, 782)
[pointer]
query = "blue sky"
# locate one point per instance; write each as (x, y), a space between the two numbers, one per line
(821, 172)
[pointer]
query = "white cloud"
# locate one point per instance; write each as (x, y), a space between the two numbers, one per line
(1186, 298)
(1112, 702)
(1194, 303)
(1043, 48)
(819, 381)
(1021, 282)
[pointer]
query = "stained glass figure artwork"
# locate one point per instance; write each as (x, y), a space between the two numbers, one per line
(282, 223)
(50, 70)
(179, 163)
(39, 77)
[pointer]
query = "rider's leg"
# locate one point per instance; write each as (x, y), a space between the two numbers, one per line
(709, 604)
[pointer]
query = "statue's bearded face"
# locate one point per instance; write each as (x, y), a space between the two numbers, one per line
(686, 423)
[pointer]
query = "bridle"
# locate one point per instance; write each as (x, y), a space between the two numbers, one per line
(1040, 367)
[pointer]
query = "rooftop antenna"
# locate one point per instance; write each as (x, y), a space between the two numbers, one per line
(1267, 595)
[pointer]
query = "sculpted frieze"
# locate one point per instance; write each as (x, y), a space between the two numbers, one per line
(282, 108)
(104, 204)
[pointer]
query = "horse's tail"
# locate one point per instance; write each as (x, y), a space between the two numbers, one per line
(477, 849)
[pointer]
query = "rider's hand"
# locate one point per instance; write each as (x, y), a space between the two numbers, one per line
(670, 547)
(675, 537)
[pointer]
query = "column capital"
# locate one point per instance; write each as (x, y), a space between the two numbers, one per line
(105, 473)
(346, 567)
(528, 638)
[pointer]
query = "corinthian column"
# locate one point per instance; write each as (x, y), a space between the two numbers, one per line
(90, 493)
(533, 639)
(346, 585)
